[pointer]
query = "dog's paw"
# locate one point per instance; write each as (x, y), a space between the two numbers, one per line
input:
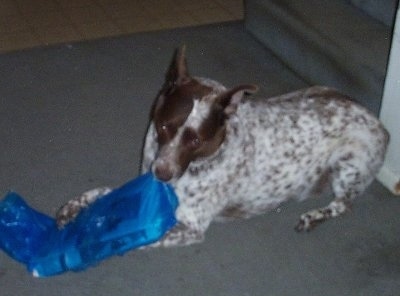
(72, 208)
(311, 219)
(308, 221)
(68, 212)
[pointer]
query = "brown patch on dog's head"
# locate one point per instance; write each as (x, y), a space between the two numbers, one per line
(175, 100)
(190, 117)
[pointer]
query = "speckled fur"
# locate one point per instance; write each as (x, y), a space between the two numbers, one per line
(278, 149)
(273, 150)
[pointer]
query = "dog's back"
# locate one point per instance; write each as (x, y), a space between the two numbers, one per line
(293, 144)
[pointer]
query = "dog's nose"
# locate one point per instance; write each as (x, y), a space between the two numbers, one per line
(163, 172)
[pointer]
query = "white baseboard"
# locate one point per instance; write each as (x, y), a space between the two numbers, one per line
(389, 179)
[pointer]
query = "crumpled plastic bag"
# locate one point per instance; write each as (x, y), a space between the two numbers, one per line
(136, 214)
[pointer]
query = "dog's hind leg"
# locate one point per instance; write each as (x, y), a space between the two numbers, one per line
(314, 217)
(351, 172)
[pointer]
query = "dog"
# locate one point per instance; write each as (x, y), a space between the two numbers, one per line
(228, 155)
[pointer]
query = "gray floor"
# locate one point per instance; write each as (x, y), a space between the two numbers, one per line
(73, 117)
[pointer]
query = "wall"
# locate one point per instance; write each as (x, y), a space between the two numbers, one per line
(390, 115)
(381, 10)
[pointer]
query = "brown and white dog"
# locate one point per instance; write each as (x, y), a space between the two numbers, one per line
(228, 156)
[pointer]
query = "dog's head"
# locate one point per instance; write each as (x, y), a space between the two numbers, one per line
(189, 117)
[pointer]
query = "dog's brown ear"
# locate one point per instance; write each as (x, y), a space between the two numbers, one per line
(177, 73)
(230, 99)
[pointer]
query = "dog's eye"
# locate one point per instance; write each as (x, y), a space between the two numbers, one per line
(165, 132)
(191, 139)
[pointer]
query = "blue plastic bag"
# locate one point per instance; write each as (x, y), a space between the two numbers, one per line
(136, 214)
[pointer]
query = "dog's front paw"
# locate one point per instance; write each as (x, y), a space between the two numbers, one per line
(68, 212)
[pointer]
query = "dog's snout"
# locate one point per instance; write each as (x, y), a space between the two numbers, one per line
(163, 172)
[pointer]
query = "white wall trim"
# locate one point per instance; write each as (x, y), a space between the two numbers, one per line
(389, 175)
(389, 179)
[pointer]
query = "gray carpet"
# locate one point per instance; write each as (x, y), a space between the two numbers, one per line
(73, 117)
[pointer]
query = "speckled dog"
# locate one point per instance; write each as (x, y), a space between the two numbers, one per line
(234, 157)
